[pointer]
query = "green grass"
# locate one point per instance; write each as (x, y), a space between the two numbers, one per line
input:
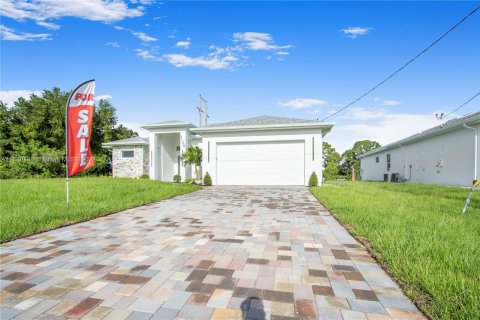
(418, 234)
(30, 206)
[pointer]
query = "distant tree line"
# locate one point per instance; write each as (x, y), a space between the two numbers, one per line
(336, 165)
(32, 136)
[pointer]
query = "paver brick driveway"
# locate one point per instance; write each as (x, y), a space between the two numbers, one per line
(219, 253)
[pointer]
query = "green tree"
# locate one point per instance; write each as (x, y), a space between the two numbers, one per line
(32, 136)
(350, 157)
(331, 162)
(193, 156)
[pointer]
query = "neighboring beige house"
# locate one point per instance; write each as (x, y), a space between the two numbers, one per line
(264, 150)
(129, 157)
(447, 154)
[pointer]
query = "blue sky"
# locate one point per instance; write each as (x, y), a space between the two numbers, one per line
(294, 59)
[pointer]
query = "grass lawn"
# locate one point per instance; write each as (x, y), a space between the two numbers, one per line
(32, 205)
(418, 234)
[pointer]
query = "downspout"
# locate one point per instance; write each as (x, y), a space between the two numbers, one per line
(476, 150)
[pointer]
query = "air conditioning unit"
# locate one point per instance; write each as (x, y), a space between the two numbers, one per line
(391, 177)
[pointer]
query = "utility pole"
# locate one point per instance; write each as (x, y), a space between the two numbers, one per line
(206, 113)
(200, 100)
(200, 111)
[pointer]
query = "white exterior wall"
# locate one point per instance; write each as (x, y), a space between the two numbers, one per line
(130, 167)
(313, 154)
(164, 154)
(446, 159)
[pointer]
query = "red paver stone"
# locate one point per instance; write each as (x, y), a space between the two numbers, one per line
(83, 308)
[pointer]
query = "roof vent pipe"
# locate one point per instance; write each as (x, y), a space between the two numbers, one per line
(476, 151)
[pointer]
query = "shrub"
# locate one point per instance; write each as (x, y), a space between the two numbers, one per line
(190, 180)
(144, 176)
(207, 180)
(313, 181)
(177, 178)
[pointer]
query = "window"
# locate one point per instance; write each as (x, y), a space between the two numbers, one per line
(388, 162)
(313, 148)
(127, 154)
(377, 159)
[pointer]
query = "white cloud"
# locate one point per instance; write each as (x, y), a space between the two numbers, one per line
(380, 125)
(93, 10)
(391, 102)
(144, 37)
(257, 41)
(225, 57)
(9, 34)
(212, 62)
(10, 96)
(301, 103)
(140, 35)
(103, 97)
(355, 32)
(148, 55)
(158, 18)
(183, 44)
(143, 1)
(113, 44)
(360, 113)
(49, 25)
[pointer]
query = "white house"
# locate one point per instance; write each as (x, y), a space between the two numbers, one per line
(263, 150)
(447, 154)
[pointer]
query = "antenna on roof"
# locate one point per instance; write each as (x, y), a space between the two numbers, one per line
(200, 111)
(200, 100)
(440, 117)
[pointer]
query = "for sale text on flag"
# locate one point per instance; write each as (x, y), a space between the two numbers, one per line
(80, 109)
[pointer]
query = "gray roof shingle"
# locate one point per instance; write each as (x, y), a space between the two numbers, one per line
(261, 121)
(129, 141)
(163, 123)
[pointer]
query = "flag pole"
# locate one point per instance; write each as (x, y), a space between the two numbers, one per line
(66, 145)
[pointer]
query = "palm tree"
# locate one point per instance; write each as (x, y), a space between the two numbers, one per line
(193, 156)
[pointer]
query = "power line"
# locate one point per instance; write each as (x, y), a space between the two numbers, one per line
(406, 64)
(463, 104)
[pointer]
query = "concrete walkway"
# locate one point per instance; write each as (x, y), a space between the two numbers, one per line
(219, 253)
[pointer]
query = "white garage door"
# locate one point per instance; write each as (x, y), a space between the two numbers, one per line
(261, 163)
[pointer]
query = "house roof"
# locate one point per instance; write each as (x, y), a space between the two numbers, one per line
(264, 123)
(261, 121)
(133, 141)
(168, 124)
(443, 128)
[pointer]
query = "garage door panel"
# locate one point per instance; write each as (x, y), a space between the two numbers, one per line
(261, 163)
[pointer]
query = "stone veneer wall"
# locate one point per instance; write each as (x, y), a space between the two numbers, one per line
(130, 167)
